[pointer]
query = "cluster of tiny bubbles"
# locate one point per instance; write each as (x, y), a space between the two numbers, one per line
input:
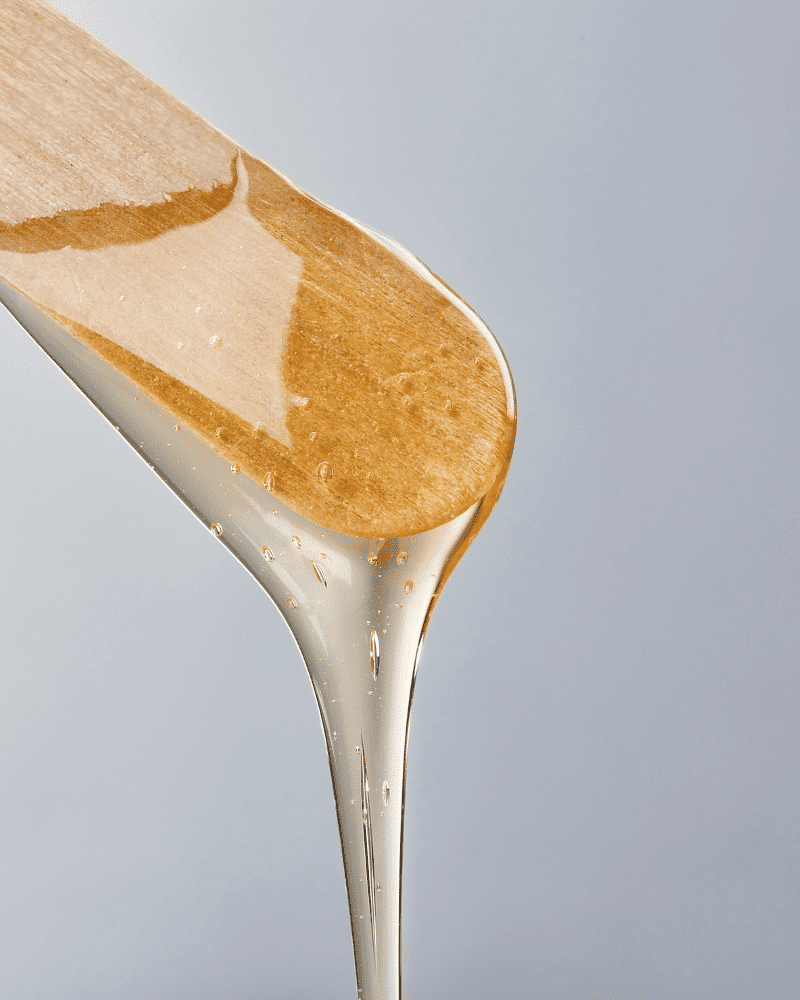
(291, 603)
(402, 558)
(217, 529)
(448, 405)
(406, 400)
(296, 541)
(235, 468)
(324, 471)
(266, 552)
(372, 558)
(408, 586)
(215, 340)
(180, 344)
(269, 481)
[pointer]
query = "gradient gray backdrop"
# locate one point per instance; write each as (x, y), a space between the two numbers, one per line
(603, 776)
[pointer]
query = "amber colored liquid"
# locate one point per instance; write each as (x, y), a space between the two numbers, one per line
(358, 605)
(300, 347)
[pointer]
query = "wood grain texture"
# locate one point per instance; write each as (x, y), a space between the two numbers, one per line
(280, 332)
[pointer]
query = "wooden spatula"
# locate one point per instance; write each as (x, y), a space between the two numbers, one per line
(305, 349)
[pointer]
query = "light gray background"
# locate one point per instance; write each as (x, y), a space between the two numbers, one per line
(603, 794)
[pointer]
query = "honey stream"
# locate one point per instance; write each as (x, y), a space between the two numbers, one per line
(357, 606)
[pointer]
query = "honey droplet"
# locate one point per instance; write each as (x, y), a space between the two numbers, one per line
(324, 471)
(312, 436)
(218, 432)
(448, 405)
(217, 529)
(235, 469)
(408, 586)
(402, 558)
(319, 574)
(296, 541)
(372, 558)
(291, 603)
(269, 481)
(266, 552)
(215, 341)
